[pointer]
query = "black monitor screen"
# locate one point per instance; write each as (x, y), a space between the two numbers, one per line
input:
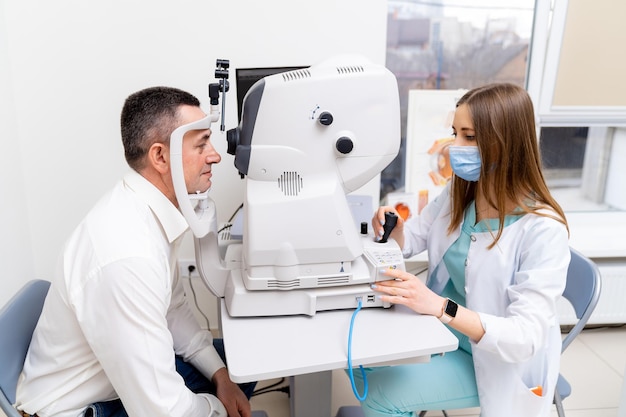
(246, 77)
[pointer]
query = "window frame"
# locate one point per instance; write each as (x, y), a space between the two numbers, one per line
(597, 234)
(547, 37)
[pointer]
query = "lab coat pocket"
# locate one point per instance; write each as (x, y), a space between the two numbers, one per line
(531, 385)
(504, 392)
(525, 401)
(533, 374)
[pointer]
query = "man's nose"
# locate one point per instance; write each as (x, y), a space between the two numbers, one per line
(213, 157)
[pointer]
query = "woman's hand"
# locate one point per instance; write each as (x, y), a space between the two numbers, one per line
(378, 221)
(406, 289)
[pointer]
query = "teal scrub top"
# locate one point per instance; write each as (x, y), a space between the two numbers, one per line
(456, 256)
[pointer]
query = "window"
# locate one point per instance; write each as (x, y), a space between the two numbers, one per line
(575, 79)
(453, 44)
(450, 45)
(584, 166)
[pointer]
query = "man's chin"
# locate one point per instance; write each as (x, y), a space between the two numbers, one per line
(201, 190)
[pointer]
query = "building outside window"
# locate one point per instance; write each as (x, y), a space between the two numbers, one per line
(455, 44)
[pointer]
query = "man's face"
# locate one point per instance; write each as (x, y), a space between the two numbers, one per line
(198, 152)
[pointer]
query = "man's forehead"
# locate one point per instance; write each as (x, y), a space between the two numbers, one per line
(188, 114)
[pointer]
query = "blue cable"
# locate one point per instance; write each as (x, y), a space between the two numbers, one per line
(350, 371)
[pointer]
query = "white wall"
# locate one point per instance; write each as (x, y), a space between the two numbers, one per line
(16, 255)
(67, 66)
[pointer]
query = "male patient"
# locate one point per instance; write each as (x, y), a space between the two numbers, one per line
(116, 337)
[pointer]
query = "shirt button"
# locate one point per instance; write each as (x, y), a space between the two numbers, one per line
(473, 238)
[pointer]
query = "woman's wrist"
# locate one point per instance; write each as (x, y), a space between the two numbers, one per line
(438, 305)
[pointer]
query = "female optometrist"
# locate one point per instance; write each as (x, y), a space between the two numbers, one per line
(498, 254)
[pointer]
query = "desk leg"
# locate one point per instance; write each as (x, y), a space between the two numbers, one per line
(621, 410)
(311, 394)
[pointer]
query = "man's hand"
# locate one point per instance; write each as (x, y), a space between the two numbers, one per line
(229, 393)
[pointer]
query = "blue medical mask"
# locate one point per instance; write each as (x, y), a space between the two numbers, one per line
(465, 162)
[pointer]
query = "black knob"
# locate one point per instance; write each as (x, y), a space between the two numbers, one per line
(221, 73)
(232, 138)
(391, 219)
(214, 93)
(222, 63)
(326, 118)
(363, 228)
(344, 145)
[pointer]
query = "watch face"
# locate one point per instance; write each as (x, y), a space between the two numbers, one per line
(451, 308)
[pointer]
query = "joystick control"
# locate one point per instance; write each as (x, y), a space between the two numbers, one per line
(391, 219)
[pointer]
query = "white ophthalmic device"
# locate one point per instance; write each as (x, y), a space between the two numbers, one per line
(305, 140)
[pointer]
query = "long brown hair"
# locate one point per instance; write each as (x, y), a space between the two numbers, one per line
(504, 129)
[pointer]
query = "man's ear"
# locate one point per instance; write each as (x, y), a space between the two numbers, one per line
(159, 157)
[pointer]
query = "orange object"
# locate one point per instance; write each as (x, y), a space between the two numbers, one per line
(441, 170)
(422, 200)
(403, 210)
(538, 390)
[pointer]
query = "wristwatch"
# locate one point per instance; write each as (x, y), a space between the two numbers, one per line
(448, 312)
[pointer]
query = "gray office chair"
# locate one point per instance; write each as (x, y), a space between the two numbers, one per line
(582, 290)
(17, 323)
(18, 319)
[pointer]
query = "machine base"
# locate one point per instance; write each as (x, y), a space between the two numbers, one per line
(241, 302)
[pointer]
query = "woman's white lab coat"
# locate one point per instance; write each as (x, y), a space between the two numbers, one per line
(514, 288)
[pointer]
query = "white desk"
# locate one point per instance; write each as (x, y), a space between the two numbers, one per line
(259, 348)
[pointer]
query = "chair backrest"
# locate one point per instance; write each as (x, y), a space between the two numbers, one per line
(18, 319)
(582, 291)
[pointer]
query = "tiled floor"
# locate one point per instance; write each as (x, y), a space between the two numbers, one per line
(594, 365)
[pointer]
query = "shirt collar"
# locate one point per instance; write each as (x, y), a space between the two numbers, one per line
(171, 219)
